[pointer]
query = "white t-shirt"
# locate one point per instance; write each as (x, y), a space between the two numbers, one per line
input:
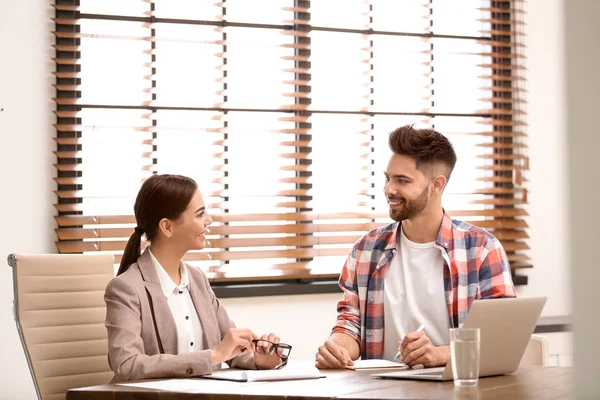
(413, 294)
(189, 329)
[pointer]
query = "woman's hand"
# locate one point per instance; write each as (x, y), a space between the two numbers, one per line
(234, 343)
(267, 361)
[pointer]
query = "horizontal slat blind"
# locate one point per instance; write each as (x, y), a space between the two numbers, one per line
(280, 111)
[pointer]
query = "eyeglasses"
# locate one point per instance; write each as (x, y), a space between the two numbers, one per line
(266, 347)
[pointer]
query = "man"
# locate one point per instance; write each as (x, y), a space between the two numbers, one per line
(424, 269)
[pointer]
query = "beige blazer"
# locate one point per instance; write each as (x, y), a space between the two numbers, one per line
(142, 335)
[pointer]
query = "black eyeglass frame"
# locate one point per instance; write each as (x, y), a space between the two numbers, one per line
(284, 357)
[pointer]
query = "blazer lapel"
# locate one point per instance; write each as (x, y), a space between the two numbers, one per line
(166, 331)
(210, 328)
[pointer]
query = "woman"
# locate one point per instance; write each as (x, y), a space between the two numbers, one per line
(162, 317)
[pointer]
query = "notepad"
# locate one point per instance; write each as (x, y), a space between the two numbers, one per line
(265, 375)
(375, 364)
(178, 385)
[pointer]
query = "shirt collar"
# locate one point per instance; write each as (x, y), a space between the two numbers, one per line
(393, 238)
(444, 236)
(166, 283)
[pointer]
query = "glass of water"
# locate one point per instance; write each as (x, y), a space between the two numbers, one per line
(464, 354)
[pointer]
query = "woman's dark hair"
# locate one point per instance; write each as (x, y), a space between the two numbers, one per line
(161, 196)
(426, 146)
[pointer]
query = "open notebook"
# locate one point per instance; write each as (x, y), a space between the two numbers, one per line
(304, 372)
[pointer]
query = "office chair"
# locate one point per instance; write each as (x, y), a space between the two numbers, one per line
(536, 352)
(59, 310)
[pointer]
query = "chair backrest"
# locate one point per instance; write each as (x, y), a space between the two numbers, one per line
(536, 352)
(59, 310)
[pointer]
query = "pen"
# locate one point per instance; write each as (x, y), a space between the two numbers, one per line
(418, 330)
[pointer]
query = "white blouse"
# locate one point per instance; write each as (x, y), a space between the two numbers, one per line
(189, 329)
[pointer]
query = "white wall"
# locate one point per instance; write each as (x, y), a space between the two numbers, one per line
(548, 175)
(25, 163)
(305, 321)
(548, 186)
(582, 60)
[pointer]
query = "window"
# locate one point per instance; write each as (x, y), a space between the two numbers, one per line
(280, 111)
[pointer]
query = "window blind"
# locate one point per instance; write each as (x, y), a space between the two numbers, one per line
(280, 110)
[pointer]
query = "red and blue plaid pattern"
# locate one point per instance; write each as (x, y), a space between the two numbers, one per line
(476, 267)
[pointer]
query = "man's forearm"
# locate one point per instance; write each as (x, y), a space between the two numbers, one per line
(347, 342)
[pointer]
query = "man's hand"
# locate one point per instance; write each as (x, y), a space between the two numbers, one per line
(332, 355)
(416, 348)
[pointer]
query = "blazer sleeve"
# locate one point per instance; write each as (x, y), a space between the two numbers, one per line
(244, 361)
(126, 354)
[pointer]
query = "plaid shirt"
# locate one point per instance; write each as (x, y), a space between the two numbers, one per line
(475, 266)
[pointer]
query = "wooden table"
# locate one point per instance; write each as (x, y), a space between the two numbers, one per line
(545, 383)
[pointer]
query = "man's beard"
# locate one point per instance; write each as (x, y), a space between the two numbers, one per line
(410, 208)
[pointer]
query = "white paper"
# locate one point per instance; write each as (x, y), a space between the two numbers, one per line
(177, 385)
(267, 374)
(373, 364)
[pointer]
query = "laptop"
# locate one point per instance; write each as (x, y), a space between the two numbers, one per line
(505, 327)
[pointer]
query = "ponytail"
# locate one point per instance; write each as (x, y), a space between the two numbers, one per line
(161, 196)
(132, 250)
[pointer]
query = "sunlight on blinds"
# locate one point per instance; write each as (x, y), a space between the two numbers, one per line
(327, 14)
(405, 16)
(256, 65)
(465, 20)
(340, 182)
(186, 9)
(132, 8)
(116, 153)
(339, 71)
(260, 164)
(186, 143)
(187, 62)
(280, 111)
(457, 75)
(402, 79)
(116, 63)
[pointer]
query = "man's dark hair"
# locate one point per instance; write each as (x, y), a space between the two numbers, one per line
(427, 146)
